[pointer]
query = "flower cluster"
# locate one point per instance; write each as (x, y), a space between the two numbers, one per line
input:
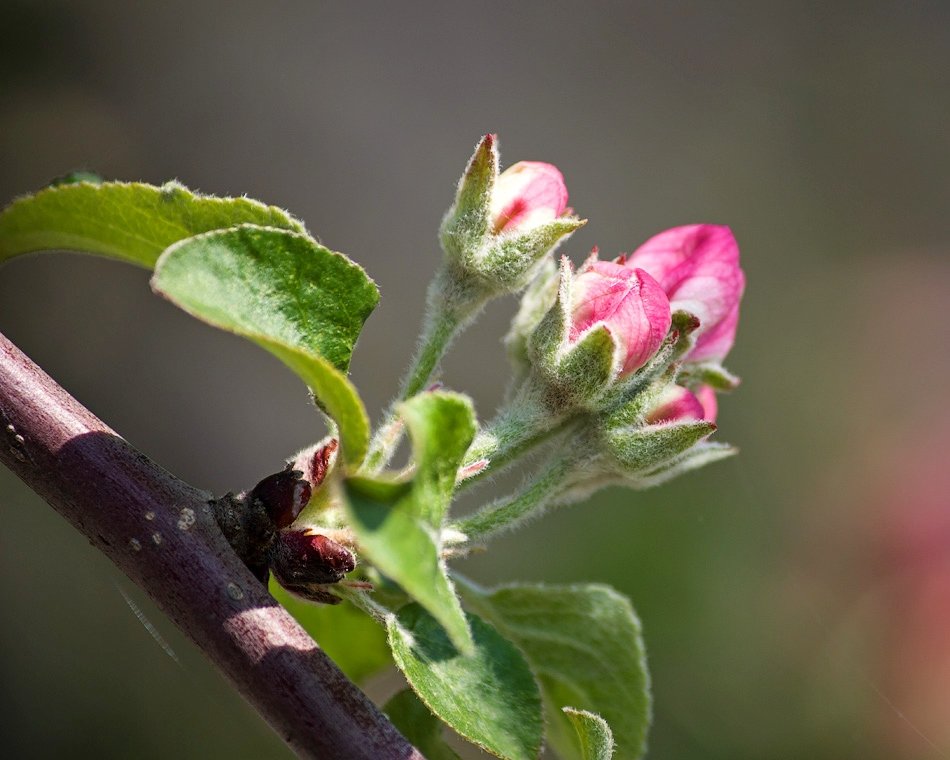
(622, 357)
(692, 269)
(635, 343)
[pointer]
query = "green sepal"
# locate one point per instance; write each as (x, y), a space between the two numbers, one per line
(128, 221)
(684, 322)
(630, 388)
(700, 455)
(674, 345)
(633, 411)
(535, 303)
(709, 373)
(489, 696)
(545, 343)
(418, 724)
(401, 544)
(584, 644)
(465, 225)
(300, 301)
(511, 259)
(588, 367)
(641, 449)
(593, 734)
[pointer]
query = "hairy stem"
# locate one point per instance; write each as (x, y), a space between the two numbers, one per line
(160, 532)
(522, 424)
(510, 512)
(448, 312)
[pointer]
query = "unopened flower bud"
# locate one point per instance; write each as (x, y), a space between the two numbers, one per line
(606, 322)
(502, 225)
(698, 267)
(282, 495)
(628, 302)
(526, 195)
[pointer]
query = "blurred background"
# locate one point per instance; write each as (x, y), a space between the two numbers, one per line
(795, 600)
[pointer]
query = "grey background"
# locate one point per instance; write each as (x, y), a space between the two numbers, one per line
(818, 131)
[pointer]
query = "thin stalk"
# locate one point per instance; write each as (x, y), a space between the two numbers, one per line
(509, 512)
(448, 312)
(522, 424)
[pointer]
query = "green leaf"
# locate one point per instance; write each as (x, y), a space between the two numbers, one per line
(593, 733)
(129, 221)
(488, 697)
(584, 644)
(418, 725)
(290, 295)
(442, 426)
(275, 283)
(405, 548)
(354, 641)
(711, 374)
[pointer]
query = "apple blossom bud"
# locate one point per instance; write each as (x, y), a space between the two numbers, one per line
(606, 323)
(526, 195)
(502, 225)
(698, 267)
(302, 557)
(628, 302)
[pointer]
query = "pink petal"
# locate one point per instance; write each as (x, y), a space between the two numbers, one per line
(698, 267)
(707, 397)
(714, 345)
(677, 404)
(629, 302)
(527, 194)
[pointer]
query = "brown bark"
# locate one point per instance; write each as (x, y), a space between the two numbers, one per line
(161, 533)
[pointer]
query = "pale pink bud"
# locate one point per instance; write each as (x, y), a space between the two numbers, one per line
(677, 404)
(698, 267)
(629, 302)
(526, 195)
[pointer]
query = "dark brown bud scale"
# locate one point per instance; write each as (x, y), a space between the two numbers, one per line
(300, 558)
(283, 495)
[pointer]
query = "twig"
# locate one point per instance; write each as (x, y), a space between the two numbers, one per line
(160, 532)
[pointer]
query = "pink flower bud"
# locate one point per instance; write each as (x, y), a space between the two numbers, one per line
(628, 301)
(677, 404)
(527, 194)
(698, 267)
